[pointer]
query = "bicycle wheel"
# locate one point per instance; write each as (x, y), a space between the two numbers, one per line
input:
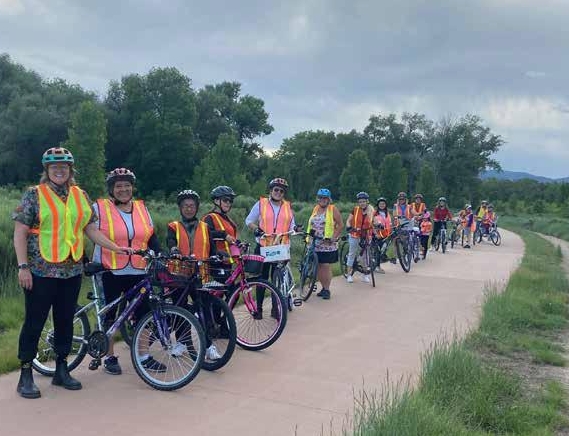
(478, 236)
(256, 329)
(308, 275)
(370, 264)
(175, 346)
(219, 328)
(400, 250)
(452, 238)
(44, 363)
(495, 237)
(343, 258)
(444, 242)
(416, 251)
(437, 242)
(127, 327)
(290, 285)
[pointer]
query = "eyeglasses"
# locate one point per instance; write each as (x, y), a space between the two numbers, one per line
(227, 200)
(323, 198)
(59, 167)
(279, 190)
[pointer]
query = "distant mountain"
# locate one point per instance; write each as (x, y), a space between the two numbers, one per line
(517, 175)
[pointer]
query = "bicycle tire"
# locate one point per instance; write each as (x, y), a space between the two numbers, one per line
(443, 243)
(192, 342)
(416, 251)
(222, 332)
(343, 257)
(371, 265)
(44, 363)
(437, 242)
(308, 276)
(496, 238)
(129, 324)
(401, 256)
(452, 238)
(244, 318)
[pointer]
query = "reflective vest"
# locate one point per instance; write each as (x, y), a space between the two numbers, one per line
(267, 220)
(198, 244)
(426, 227)
(223, 224)
(112, 225)
(386, 222)
(481, 212)
(489, 217)
(60, 232)
(398, 211)
(417, 210)
(328, 220)
(361, 221)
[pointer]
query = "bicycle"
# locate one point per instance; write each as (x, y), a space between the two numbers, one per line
(248, 303)
(364, 261)
(308, 267)
(494, 234)
(441, 240)
(167, 331)
(281, 275)
(457, 230)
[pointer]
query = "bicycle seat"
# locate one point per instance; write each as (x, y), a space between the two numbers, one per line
(92, 268)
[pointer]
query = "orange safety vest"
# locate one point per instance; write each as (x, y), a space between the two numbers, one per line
(267, 220)
(386, 221)
(60, 231)
(426, 227)
(360, 222)
(398, 211)
(199, 247)
(113, 227)
(489, 216)
(419, 211)
(220, 223)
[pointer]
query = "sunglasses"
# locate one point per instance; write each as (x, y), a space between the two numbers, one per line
(227, 200)
(279, 190)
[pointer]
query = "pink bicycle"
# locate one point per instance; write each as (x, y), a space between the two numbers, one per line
(258, 307)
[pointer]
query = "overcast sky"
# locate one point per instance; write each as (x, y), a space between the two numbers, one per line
(328, 64)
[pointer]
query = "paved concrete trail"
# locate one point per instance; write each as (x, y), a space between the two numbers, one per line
(304, 382)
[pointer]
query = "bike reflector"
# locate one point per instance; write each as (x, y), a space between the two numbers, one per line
(276, 253)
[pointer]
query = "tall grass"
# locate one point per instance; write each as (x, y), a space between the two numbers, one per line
(459, 392)
(546, 224)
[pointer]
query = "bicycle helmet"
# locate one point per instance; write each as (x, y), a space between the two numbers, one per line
(401, 195)
(419, 196)
(324, 192)
(362, 196)
(57, 154)
(188, 193)
(427, 215)
(443, 199)
(279, 181)
(222, 191)
(381, 199)
(490, 206)
(468, 206)
(484, 202)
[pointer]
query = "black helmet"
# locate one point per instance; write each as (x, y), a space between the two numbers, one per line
(119, 175)
(443, 199)
(188, 193)
(222, 191)
(381, 199)
(362, 196)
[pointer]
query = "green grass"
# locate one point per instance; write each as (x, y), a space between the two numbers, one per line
(547, 224)
(459, 391)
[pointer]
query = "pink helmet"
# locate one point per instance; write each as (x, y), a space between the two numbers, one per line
(427, 215)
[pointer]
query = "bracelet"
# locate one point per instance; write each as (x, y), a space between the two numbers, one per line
(23, 266)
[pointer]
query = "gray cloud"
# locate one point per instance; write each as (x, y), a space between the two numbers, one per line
(327, 64)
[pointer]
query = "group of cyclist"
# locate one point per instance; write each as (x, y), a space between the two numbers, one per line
(54, 216)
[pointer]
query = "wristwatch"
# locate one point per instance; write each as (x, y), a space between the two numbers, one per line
(23, 266)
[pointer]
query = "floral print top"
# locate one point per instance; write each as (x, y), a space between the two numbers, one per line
(28, 213)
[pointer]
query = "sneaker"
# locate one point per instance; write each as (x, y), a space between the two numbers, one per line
(393, 260)
(467, 246)
(380, 270)
(326, 294)
(350, 279)
(211, 353)
(111, 366)
(179, 349)
(152, 365)
(319, 294)
(366, 278)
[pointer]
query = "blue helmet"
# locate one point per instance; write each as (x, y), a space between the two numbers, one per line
(324, 192)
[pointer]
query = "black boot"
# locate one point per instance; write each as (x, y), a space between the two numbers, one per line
(26, 386)
(62, 377)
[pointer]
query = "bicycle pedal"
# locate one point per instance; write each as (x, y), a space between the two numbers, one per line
(297, 302)
(94, 364)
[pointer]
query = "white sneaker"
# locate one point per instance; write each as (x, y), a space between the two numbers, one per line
(179, 349)
(350, 279)
(211, 353)
(366, 278)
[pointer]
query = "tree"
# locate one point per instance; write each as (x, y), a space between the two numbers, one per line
(357, 176)
(87, 138)
(221, 167)
(427, 185)
(392, 176)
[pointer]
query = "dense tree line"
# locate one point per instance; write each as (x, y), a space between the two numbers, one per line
(174, 136)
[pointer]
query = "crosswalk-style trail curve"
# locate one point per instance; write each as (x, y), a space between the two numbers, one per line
(304, 382)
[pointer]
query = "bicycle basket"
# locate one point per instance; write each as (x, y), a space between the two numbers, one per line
(172, 272)
(253, 263)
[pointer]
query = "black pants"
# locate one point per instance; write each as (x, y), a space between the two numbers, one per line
(265, 274)
(424, 243)
(47, 293)
(113, 287)
(437, 228)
